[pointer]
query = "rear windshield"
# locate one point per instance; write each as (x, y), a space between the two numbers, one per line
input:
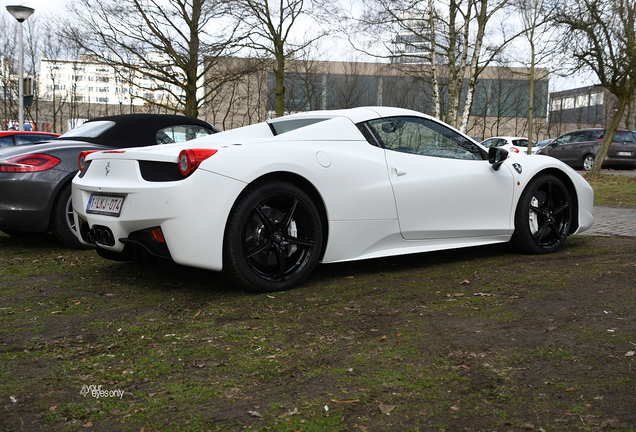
(90, 129)
(624, 136)
(520, 142)
(282, 126)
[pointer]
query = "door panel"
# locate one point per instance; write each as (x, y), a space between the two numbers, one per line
(448, 198)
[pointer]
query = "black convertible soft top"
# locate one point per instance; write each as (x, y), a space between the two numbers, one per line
(136, 130)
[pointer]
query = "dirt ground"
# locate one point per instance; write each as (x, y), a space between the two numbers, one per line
(479, 339)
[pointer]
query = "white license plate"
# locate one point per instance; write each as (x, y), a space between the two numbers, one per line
(105, 204)
(624, 153)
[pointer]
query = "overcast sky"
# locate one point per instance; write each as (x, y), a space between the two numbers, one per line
(38, 5)
(46, 7)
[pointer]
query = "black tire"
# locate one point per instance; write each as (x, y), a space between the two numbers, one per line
(62, 221)
(588, 162)
(273, 238)
(543, 216)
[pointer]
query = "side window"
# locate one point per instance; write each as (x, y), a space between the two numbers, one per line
(490, 142)
(6, 141)
(580, 137)
(596, 135)
(563, 139)
(424, 137)
(181, 133)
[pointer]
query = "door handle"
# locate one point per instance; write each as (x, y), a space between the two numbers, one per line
(395, 172)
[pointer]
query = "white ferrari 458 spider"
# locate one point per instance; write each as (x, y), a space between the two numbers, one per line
(265, 203)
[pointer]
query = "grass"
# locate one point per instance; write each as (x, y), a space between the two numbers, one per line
(476, 339)
(613, 190)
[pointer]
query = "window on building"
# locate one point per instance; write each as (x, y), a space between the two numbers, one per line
(596, 99)
(582, 101)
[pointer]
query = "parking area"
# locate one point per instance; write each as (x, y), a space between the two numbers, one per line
(613, 221)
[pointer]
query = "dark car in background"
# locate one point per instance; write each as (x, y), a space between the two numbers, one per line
(578, 149)
(16, 138)
(35, 180)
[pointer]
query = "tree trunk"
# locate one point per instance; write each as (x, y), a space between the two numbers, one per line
(531, 100)
(434, 71)
(609, 134)
(280, 83)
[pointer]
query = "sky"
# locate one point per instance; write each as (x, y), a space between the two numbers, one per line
(45, 7)
(40, 6)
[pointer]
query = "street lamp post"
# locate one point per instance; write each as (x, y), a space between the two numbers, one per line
(21, 13)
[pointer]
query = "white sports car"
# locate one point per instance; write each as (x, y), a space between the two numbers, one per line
(265, 203)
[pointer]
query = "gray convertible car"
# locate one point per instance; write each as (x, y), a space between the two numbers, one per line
(578, 149)
(35, 180)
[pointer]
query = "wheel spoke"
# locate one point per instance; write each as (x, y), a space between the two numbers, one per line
(541, 232)
(284, 224)
(270, 225)
(550, 196)
(539, 210)
(560, 208)
(262, 248)
(300, 242)
(280, 257)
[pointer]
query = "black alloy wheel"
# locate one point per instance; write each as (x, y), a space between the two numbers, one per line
(543, 217)
(273, 238)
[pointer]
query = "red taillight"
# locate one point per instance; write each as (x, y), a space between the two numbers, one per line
(29, 163)
(158, 235)
(514, 149)
(190, 159)
(81, 160)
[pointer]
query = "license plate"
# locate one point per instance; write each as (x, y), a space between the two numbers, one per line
(105, 204)
(624, 153)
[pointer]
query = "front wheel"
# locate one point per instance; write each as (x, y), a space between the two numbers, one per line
(588, 162)
(273, 238)
(543, 216)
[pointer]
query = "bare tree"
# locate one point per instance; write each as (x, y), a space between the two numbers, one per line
(271, 25)
(601, 36)
(630, 115)
(310, 81)
(348, 89)
(172, 44)
(441, 40)
(535, 16)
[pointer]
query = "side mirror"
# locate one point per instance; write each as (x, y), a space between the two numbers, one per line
(496, 156)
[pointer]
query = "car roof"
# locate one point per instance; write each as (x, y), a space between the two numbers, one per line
(356, 115)
(133, 130)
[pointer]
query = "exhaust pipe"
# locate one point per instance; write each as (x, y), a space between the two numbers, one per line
(101, 235)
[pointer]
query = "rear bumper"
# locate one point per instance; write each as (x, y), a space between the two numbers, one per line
(191, 213)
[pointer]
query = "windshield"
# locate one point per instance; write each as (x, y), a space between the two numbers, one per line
(89, 129)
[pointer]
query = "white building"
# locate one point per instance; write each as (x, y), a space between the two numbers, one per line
(88, 80)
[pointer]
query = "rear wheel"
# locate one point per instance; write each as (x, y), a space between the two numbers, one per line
(63, 223)
(588, 162)
(543, 217)
(273, 238)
